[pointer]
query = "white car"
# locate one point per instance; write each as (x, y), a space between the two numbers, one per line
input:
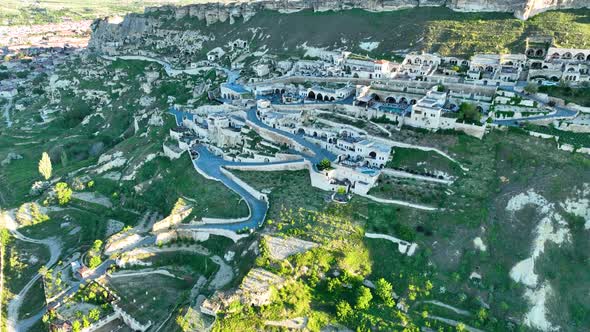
(549, 83)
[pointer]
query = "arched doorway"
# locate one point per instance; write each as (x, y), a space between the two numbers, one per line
(390, 100)
(319, 96)
(311, 95)
(373, 154)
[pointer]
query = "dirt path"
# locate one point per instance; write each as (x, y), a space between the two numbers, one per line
(444, 305)
(7, 219)
(223, 276)
(401, 203)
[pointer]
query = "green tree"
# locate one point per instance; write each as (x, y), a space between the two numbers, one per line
(97, 245)
(43, 271)
(63, 192)
(324, 164)
(45, 166)
(85, 322)
(4, 236)
(460, 327)
(482, 315)
(94, 314)
(383, 290)
(94, 262)
(343, 310)
(364, 297)
(76, 326)
(468, 112)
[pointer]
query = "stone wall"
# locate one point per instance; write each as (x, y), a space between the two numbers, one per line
(278, 138)
(100, 323)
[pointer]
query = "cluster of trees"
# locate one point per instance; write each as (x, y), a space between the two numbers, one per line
(94, 259)
(356, 303)
(63, 193)
(468, 113)
(53, 284)
(83, 321)
(189, 321)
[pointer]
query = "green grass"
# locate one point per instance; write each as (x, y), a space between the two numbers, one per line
(431, 29)
(422, 162)
(410, 190)
(33, 301)
(19, 268)
(580, 96)
(183, 264)
(475, 207)
(168, 293)
(169, 180)
(565, 137)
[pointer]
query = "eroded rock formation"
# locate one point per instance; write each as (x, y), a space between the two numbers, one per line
(109, 34)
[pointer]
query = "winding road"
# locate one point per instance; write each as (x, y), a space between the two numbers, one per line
(210, 166)
(560, 112)
(13, 324)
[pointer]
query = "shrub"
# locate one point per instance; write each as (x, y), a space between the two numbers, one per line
(63, 192)
(324, 164)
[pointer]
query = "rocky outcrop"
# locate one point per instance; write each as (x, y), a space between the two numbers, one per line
(534, 7)
(214, 11)
(158, 30)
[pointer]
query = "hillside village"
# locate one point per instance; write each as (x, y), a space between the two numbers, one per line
(228, 188)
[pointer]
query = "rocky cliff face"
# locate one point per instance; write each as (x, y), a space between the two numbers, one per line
(183, 31)
(215, 11)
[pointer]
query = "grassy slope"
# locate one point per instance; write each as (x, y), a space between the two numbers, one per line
(476, 208)
(579, 96)
(163, 180)
(429, 29)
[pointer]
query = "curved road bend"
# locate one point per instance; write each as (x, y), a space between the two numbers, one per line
(560, 112)
(14, 305)
(320, 153)
(210, 165)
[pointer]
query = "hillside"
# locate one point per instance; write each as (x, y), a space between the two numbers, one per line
(422, 29)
